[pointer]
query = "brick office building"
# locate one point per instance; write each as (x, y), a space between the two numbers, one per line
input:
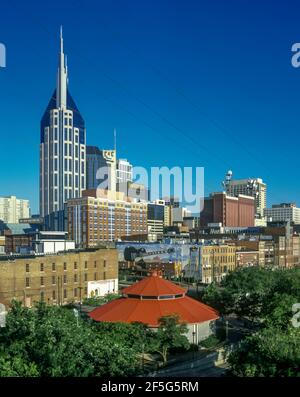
(229, 211)
(105, 216)
(58, 279)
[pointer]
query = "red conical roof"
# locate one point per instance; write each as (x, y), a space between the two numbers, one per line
(149, 312)
(149, 300)
(154, 285)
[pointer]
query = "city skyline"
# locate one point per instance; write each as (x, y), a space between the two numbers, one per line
(154, 102)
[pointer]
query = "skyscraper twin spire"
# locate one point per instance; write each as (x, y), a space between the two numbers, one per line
(62, 81)
(62, 76)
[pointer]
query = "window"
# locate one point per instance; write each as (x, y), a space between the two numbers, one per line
(95, 276)
(75, 265)
(104, 263)
(27, 267)
(85, 290)
(42, 296)
(104, 275)
(53, 280)
(65, 294)
(42, 267)
(53, 267)
(42, 281)
(27, 282)
(95, 264)
(85, 265)
(65, 279)
(53, 295)
(85, 276)
(75, 292)
(65, 266)
(75, 278)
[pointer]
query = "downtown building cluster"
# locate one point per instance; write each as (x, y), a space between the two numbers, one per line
(89, 201)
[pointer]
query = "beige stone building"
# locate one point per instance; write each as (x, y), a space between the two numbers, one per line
(217, 261)
(2, 245)
(58, 279)
(12, 209)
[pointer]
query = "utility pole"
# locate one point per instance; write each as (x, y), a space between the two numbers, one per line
(226, 329)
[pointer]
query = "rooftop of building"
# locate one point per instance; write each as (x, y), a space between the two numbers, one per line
(283, 205)
(228, 196)
(17, 228)
(245, 181)
(34, 255)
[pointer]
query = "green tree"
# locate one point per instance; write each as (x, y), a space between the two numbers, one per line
(271, 352)
(47, 341)
(170, 334)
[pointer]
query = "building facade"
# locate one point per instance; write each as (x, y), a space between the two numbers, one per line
(124, 175)
(155, 220)
(254, 187)
(62, 147)
(12, 209)
(57, 279)
(2, 245)
(228, 211)
(285, 212)
(100, 168)
(105, 216)
(216, 261)
(52, 242)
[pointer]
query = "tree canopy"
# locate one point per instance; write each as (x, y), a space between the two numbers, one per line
(48, 341)
(266, 296)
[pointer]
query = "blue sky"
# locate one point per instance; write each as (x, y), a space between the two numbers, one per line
(187, 83)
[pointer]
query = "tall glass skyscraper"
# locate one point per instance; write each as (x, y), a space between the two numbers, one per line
(62, 147)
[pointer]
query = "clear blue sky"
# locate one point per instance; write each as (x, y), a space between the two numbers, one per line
(188, 83)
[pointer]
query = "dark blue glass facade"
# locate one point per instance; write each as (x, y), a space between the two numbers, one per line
(78, 121)
(156, 212)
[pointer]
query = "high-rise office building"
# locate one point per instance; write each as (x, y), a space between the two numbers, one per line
(254, 187)
(124, 175)
(62, 147)
(100, 168)
(283, 212)
(12, 209)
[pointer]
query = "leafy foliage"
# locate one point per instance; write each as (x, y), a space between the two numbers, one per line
(271, 352)
(210, 342)
(266, 296)
(47, 341)
(100, 300)
(249, 292)
(170, 335)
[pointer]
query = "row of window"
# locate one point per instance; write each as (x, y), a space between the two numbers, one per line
(65, 266)
(55, 280)
(65, 293)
